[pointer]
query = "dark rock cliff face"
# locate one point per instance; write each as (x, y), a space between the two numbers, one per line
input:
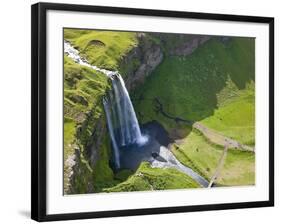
(82, 163)
(95, 141)
(141, 61)
(188, 47)
(151, 50)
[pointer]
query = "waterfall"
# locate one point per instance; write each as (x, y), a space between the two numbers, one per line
(111, 132)
(123, 116)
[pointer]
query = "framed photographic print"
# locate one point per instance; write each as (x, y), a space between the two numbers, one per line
(138, 111)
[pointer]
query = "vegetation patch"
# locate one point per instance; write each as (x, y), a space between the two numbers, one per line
(104, 49)
(238, 169)
(196, 152)
(148, 178)
(83, 111)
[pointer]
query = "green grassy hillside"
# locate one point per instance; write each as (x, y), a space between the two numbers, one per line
(104, 49)
(147, 178)
(83, 91)
(83, 111)
(236, 119)
(215, 83)
(197, 152)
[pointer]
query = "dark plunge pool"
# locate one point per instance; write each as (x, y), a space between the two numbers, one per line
(132, 155)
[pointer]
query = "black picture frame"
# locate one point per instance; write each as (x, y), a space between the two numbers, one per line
(38, 108)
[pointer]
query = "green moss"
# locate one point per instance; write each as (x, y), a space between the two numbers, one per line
(132, 65)
(69, 135)
(123, 175)
(103, 173)
(147, 178)
(102, 48)
(83, 91)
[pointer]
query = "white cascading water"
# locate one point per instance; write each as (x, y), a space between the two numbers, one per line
(74, 54)
(124, 119)
(121, 118)
(111, 133)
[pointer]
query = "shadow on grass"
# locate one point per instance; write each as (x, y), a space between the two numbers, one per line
(185, 89)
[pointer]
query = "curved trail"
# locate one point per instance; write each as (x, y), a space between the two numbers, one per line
(209, 133)
(219, 167)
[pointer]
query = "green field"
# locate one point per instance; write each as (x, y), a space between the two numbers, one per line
(104, 49)
(238, 169)
(236, 119)
(203, 157)
(194, 151)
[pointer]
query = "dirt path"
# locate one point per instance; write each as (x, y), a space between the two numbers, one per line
(219, 167)
(220, 139)
(210, 134)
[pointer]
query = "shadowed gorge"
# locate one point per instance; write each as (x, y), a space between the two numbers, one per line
(191, 119)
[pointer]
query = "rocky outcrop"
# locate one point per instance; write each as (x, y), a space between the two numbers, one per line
(79, 167)
(141, 61)
(190, 46)
(149, 53)
(95, 141)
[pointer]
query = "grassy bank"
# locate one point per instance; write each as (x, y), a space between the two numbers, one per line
(104, 49)
(147, 178)
(203, 157)
(83, 114)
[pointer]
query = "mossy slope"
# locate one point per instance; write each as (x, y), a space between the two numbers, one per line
(83, 112)
(104, 49)
(147, 179)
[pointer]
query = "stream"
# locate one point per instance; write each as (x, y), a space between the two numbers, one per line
(132, 143)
